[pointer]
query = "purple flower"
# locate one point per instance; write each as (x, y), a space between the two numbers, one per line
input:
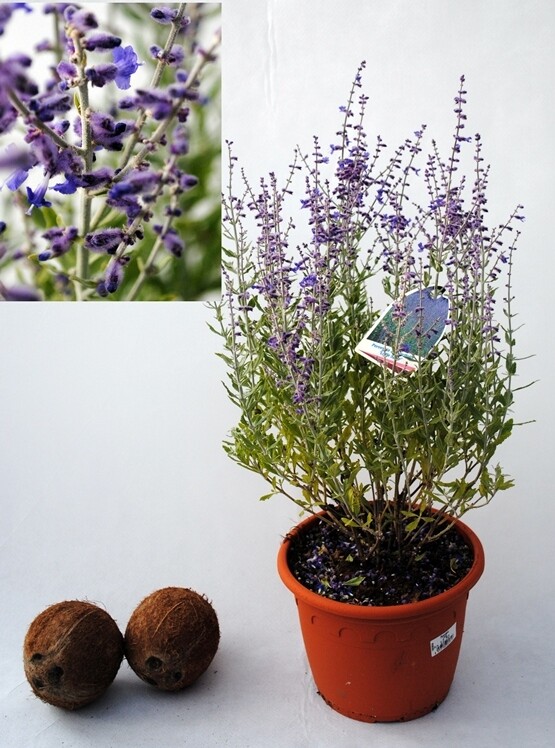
(309, 281)
(155, 51)
(68, 186)
(163, 15)
(13, 76)
(179, 145)
(19, 293)
(46, 151)
(106, 132)
(8, 114)
(19, 160)
(128, 204)
(104, 240)
(174, 57)
(114, 274)
(97, 178)
(155, 103)
(120, 70)
(44, 46)
(100, 40)
(60, 242)
(53, 160)
(16, 179)
(100, 75)
(171, 240)
(67, 72)
(37, 197)
(81, 20)
(135, 183)
(188, 181)
(2, 227)
(125, 59)
(47, 105)
(180, 91)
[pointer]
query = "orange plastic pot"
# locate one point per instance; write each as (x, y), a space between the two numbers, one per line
(383, 664)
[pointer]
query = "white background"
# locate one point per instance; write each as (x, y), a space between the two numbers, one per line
(112, 479)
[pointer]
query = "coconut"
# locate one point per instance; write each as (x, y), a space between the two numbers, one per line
(172, 637)
(72, 652)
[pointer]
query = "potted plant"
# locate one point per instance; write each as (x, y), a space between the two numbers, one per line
(371, 355)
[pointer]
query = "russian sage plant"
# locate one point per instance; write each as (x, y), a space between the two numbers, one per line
(109, 185)
(376, 449)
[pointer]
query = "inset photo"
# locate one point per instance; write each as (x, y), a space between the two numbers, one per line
(110, 155)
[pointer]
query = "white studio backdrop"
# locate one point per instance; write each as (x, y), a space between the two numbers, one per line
(112, 478)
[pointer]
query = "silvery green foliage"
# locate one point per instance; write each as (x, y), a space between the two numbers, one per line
(321, 424)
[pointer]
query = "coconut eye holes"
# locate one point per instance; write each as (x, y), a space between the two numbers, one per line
(55, 675)
(153, 663)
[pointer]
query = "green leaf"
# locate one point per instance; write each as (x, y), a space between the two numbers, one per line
(270, 495)
(412, 526)
(355, 581)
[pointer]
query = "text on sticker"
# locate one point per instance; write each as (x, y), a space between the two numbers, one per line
(442, 641)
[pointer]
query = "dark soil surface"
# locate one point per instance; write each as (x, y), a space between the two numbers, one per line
(325, 561)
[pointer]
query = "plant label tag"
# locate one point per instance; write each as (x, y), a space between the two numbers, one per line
(442, 641)
(407, 331)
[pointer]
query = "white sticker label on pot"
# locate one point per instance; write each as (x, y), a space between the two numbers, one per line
(442, 641)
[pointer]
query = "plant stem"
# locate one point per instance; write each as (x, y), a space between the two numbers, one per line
(82, 258)
(160, 67)
(39, 124)
(134, 292)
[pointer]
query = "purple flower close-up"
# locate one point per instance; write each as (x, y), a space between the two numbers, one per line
(100, 40)
(19, 293)
(13, 77)
(48, 105)
(179, 144)
(113, 275)
(165, 15)
(171, 240)
(107, 132)
(135, 183)
(156, 103)
(37, 197)
(74, 161)
(102, 74)
(81, 20)
(173, 57)
(126, 61)
(68, 73)
(127, 203)
(17, 160)
(104, 240)
(188, 181)
(60, 241)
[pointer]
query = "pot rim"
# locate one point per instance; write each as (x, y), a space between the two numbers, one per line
(380, 612)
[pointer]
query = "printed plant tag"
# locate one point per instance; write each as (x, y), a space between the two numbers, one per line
(407, 331)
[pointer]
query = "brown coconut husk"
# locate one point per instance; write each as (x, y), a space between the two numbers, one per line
(172, 637)
(72, 652)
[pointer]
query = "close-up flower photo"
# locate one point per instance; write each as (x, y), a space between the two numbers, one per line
(109, 152)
